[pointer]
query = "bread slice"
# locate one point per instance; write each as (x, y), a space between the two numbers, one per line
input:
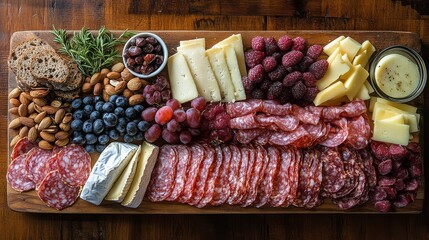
(74, 80)
(67, 95)
(23, 73)
(49, 65)
(21, 48)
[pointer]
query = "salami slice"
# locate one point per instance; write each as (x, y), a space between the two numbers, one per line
(271, 107)
(338, 133)
(212, 178)
(261, 163)
(74, 165)
(249, 172)
(349, 159)
(315, 181)
(52, 163)
(22, 147)
(266, 186)
(304, 115)
(353, 109)
(205, 169)
(184, 158)
(281, 184)
(359, 132)
(56, 193)
(263, 138)
(368, 168)
(222, 190)
(240, 178)
(305, 179)
(238, 109)
(246, 136)
(285, 123)
(286, 138)
(17, 175)
(334, 175)
(244, 122)
(35, 164)
(197, 156)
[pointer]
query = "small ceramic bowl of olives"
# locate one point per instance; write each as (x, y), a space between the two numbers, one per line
(145, 55)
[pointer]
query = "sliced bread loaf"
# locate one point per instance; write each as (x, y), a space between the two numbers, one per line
(67, 95)
(21, 48)
(74, 80)
(49, 65)
(23, 73)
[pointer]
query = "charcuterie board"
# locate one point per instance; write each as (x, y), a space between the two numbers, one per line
(29, 201)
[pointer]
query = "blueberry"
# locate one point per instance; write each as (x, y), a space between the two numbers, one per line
(90, 138)
(113, 134)
(97, 98)
(103, 139)
(87, 126)
(98, 126)
(128, 138)
(121, 101)
(139, 136)
(121, 127)
(78, 114)
(77, 134)
(79, 140)
(132, 128)
(100, 147)
(130, 113)
(119, 111)
(99, 106)
(139, 108)
(110, 119)
(108, 107)
(89, 148)
(87, 110)
(113, 98)
(77, 103)
(143, 126)
(76, 125)
(95, 115)
(87, 100)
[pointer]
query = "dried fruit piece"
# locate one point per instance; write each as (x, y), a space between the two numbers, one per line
(253, 58)
(318, 68)
(292, 78)
(256, 74)
(258, 43)
(292, 58)
(284, 43)
(269, 63)
(298, 90)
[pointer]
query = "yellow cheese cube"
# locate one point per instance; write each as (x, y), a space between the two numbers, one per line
(335, 70)
(350, 46)
(391, 132)
(363, 93)
(334, 44)
(355, 81)
(334, 91)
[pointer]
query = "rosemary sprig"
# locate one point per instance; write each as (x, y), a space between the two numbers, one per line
(91, 52)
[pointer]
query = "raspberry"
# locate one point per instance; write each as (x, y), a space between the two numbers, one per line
(256, 74)
(298, 90)
(305, 63)
(278, 57)
(318, 69)
(309, 79)
(298, 44)
(310, 94)
(292, 78)
(270, 46)
(292, 58)
(285, 96)
(253, 57)
(284, 43)
(257, 94)
(274, 91)
(278, 74)
(258, 43)
(247, 84)
(314, 51)
(265, 84)
(269, 64)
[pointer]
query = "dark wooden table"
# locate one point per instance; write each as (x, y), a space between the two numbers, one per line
(405, 15)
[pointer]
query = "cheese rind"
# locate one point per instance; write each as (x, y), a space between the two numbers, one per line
(220, 68)
(391, 132)
(181, 82)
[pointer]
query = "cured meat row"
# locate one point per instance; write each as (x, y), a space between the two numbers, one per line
(57, 175)
(266, 122)
(275, 176)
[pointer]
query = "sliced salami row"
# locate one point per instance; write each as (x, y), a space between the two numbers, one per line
(57, 175)
(255, 175)
(265, 122)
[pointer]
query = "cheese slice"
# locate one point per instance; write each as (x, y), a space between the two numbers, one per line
(332, 46)
(363, 93)
(234, 70)
(146, 163)
(198, 41)
(106, 170)
(237, 43)
(350, 46)
(334, 91)
(201, 70)
(335, 102)
(334, 55)
(385, 114)
(369, 87)
(120, 187)
(364, 54)
(220, 68)
(410, 119)
(401, 106)
(335, 70)
(391, 132)
(398, 118)
(355, 81)
(181, 82)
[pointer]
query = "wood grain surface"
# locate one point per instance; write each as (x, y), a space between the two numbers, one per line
(284, 15)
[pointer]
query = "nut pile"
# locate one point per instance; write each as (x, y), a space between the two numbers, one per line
(41, 120)
(116, 81)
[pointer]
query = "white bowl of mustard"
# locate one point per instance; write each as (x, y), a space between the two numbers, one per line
(398, 73)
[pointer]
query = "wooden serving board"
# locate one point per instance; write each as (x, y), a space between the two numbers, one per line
(30, 202)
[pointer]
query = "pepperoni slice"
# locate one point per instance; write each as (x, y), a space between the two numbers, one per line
(222, 190)
(74, 165)
(35, 164)
(205, 169)
(304, 115)
(236, 172)
(266, 186)
(244, 122)
(334, 175)
(22, 147)
(261, 163)
(212, 178)
(57, 194)
(359, 132)
(286, 138)
(243, 108)
(271, 107)
(197, 156)
(184, 158)
(338, 133)
(17, 175)
(281, 184)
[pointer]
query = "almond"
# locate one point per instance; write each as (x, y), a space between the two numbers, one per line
(62, 142)
(67, 118)
(22, 110)
(14, 93)
(56, 103)
(45, 123)
(104, 72)
(95, 79)
(33, 115)
(14, 102)
(98, 88)
(86, 87)
(26, 121)
(127, 93)
(120, 87)
(105, 96)
(50, 110)
(30, 108)
(14, 140)
(47, 136)
(45, 145)
(23, 132)
(59, 115)
(40, 101)
(27, 96)
(15, 123)
(87, 79)
(126, 75)
(65, 126)
(13, 111)
(39, 93)
(61, 135)
(113, 75)
(134, 84)
(136, 99)
(40, 117)
(110, 90)
(32, 134)
(52, 129)
(114, 82)
(106, 81)
(118, 67)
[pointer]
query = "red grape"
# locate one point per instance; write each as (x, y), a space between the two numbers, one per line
(164, 115)
(172, 125)
(148, 90)
(170, 137)
(194, 131)
(179, 115)
(173, 103)
(185, 137)
(165, 95)
(199, 103)
(153, 133)
(193, 117)
(162, 82)
(149, 114)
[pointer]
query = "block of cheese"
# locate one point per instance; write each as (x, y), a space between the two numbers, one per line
(332, 46)
(146, 162)
(355, 81)
(120, 187)
(401, 106)
(106, 170)
(237, 43)
(198, 41)
(369, 87)
(181, 82)
(398, 118)
(202, 73)
(363, 93)
(384, 114)
(334, 91)
(391, 132)
(334, 55)
(220, 68)
(410, 118)
(350, 46)
(335, 102)
(234, 70)
(364, 54)
(335, 70)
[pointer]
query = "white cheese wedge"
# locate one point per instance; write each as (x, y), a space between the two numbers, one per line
(350, 46)
(391, 132)
(198, 41)
(335, 70)
(181, 82)
(234, 70)
(363, 93)
(334, 91)
(201, 70)
(237, 43)
(220, 68)
(106, 170)
(146, 163)
(120, 187)
(332, 46)
(355, 81)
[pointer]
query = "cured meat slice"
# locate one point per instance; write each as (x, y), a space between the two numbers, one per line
(222, 191)
(74, 165)
(162, 182)
(304, 115)
(184, 158)
(368, 168)
(263, 138)
(310, 179)
(205, 169)
(314, 132)
(261, 163)
(315, 110)
(239, 186)
(17, 175)
(266, 186)
(23, 146)
(56, 193)
(304, 179)
(212, 178)
(352, 109)
(285, 123)
(35, 164)
(244, 122)
(334, 175)
(294, 175)
(315, 181)
(349, 159)
(238, 109)
(197, 156)
(246, 136)
(397, 152)
(359, 132)
(338, 133)
(281, 184)
(286, 138)
(250, 169)
(271, 107)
